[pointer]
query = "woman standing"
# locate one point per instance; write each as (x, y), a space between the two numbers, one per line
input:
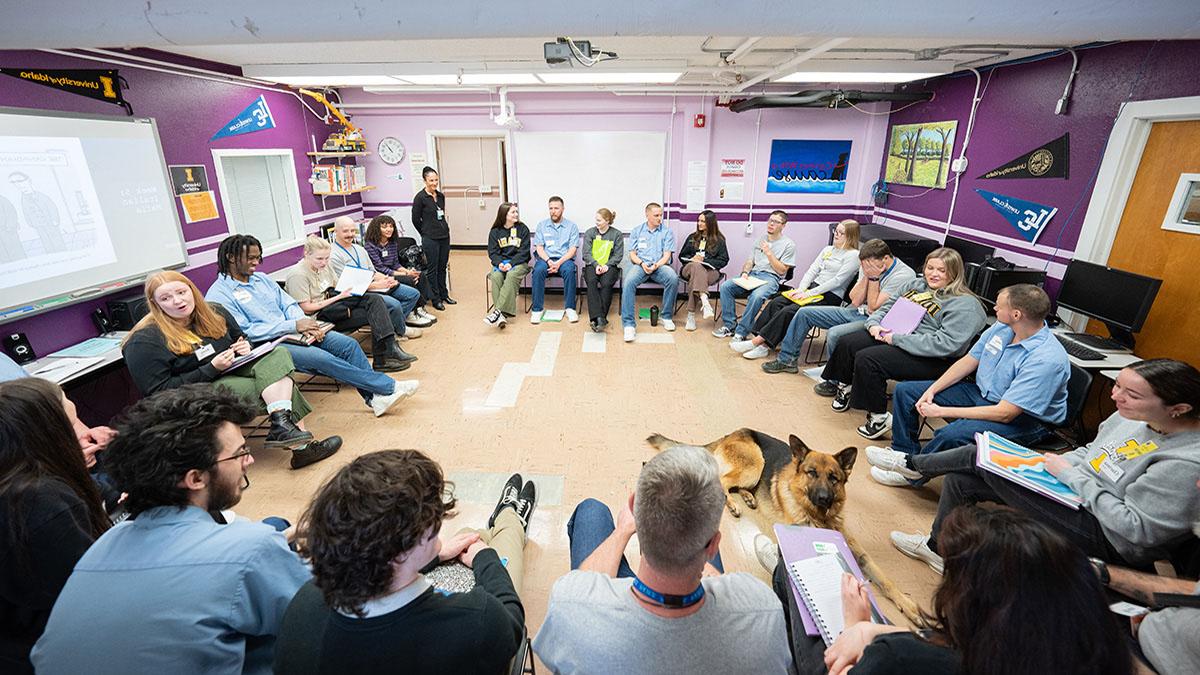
(382, 242)
(828, 277)
(508, 249)
(50, 512)
(603, 248)
(703, 255)
(184, 339)
(429, 217)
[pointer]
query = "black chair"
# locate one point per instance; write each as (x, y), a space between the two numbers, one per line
(522, 662)
(1056, 440)
(681, 299)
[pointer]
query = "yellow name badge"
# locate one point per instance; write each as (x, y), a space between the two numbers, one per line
(701, 246)
(918, 298)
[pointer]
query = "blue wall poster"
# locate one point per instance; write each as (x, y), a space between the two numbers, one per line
(256, 117)
(808, 166)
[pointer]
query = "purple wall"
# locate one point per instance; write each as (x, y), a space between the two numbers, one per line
(188, 111)
(1016, 115)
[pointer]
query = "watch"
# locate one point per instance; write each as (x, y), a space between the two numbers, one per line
(391, 150)
(1101, 569)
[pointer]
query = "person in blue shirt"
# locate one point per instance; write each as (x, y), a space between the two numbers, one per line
(264, 312)
(401, 300)
(1021, 373)
(554, 247)
(11, 370)
(772, 257)
(176, 588)
(651, 246)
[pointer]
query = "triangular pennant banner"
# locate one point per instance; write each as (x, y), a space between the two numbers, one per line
(102, 85)
(1051, 160)
(1030, 218)
(256, 117)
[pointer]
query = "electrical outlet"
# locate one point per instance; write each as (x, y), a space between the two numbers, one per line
(749, 229)
(958, 165)
(482, 204)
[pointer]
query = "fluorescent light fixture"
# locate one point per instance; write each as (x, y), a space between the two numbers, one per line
(864, 77)
(608, 78)
(332, 80)
(469, 79)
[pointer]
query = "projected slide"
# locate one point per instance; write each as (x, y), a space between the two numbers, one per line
(51, 223)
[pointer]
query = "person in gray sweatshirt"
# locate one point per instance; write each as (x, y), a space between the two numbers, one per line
(857, 373)
(603, 249)
(1136, 479)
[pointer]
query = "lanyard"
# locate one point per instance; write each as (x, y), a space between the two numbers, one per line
(669, 601)
(353, 254)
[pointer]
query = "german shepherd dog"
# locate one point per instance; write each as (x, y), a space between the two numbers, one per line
(802, 487)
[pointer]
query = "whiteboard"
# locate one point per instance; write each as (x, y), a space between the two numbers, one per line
(618, 170)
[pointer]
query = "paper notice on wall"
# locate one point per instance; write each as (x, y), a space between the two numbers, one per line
(697, 173)
(732, 190)
(198, 206)
(695, 198)
(733, 168)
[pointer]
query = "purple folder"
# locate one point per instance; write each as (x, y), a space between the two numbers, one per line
(797, 542)
(904, 317)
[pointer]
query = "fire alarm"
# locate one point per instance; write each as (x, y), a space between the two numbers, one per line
(698, 121)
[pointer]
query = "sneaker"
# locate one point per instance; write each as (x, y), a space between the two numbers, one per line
(630, 333)
(572, 316)
(535, 317)
(690, 324)
(722, 332)
(501, 322)
(493, 317)
(757, 353)
(826, 388)
(891, 460)
(411, 333)
(841, 400)
(741, 346)
(421, 312)
(767, 552)
(706, 308)
(917, 546)
(508, 497)
(878, 425)
(596, 327)
(780, 366)
(284, 433)
(381, 402)
(316, 451)
(526, 503)
(415, 321)
(889, 478)
(669, 325)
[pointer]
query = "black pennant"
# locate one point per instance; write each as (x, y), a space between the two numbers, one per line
(1051, 160)
(102, 85)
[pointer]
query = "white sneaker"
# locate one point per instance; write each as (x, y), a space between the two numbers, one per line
(404, 388)
(690, 324)
(420, 311)
(411, 333)
(766, 551)
(572, 316)
(630, 333)
(669, 325)
(722, 332)
(706, 308)
(493, 317)
(742, 346)
(889, 478)
(414, 320)
(502, 321)
(890, 460)
(757, 353)
(917, 546)
(535, 318)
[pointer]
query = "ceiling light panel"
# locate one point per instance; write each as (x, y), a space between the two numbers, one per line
(608, 78)
(333, 80)
(864, 77)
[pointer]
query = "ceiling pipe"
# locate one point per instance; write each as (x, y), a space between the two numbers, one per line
(742, 49)
(792, 63)
(824, 98)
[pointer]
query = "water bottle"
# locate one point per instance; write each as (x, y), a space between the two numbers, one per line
(653, 315)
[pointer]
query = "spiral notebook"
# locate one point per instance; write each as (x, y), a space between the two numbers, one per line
(819, 582)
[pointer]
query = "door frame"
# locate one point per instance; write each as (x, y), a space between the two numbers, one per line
(506, 159)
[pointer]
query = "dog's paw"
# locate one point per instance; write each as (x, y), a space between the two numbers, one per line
(733, 510)
(748, 497)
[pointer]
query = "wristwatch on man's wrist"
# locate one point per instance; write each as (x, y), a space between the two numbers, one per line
(1101, 569)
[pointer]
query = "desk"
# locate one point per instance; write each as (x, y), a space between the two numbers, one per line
(1113, 359)
(108, 359)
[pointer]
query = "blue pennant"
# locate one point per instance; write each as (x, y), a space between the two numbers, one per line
(256, 117)
(1030, 218)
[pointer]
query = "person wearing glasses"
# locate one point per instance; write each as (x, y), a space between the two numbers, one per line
(178, 587)
(773, 255)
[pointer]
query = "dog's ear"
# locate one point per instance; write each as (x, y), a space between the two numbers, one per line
(846, 459)
(799, 449)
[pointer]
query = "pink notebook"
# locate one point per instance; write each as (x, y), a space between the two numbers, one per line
(797, 542)
(904, 317)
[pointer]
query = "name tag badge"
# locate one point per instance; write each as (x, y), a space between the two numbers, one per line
(700, 248)
(242, 295)
(994, 345)
(642, 244)
(205, 352)
(549, 242)
(441, 215)
(1110, 470)
(384, 253)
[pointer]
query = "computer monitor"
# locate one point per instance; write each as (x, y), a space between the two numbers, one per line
(1121, 300)
(970, 251)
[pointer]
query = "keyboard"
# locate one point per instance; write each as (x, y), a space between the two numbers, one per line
(1096, 342)
(1079, 351)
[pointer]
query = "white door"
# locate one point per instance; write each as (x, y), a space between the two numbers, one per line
(472, 171)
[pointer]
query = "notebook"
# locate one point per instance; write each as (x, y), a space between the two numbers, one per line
(256, 353)
(1022, 466)
(819, 583)
(903, 317)
(553, 315)
(749, 283)
(795, 296)
(355, 280)
(798, 542)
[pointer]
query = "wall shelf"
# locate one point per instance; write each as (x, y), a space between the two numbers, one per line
(346, 192)
(321, 155)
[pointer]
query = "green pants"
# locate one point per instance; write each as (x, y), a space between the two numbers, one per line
(250, 380)
(505, 286)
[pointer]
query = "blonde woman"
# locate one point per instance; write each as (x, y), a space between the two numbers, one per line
(857, 373)
(184, 340)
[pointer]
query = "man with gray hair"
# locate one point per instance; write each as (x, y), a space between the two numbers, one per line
(679, 613)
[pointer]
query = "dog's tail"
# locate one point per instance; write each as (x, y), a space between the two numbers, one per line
(660, 442)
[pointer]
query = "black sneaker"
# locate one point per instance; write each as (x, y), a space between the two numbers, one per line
(526, 504)
(596, 327)
(876, 426)
(284, 433)
(778, 366)
(509, 497)
(841, 400)
(316, 451)
(826, 388)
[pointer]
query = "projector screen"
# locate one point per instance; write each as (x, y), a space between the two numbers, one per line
(85, 208)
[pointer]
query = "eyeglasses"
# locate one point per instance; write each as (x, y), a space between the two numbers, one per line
(237, 455)
(774, 221)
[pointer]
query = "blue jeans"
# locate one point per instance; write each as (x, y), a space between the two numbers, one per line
(634, 276)
(400, 301)
(730, 291)
(820, 317)
(541, 270)
(590, 525)
(340, 357)
(905, 420)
